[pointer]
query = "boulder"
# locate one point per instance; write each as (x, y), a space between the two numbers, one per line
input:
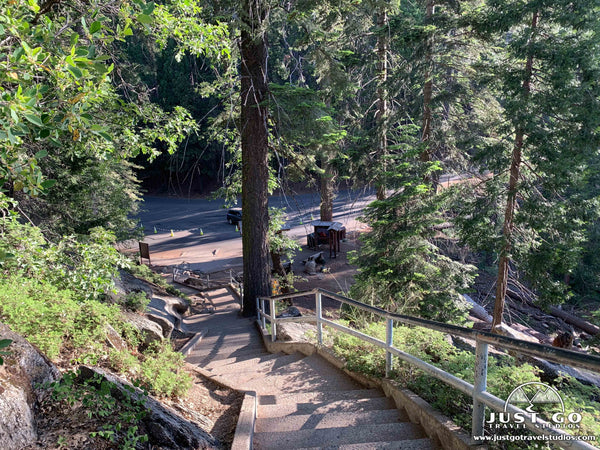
(151, 331)
(310, 268)
(114, 339)
(165, 428)
(25, 369)
(296, 332)
(127, 283)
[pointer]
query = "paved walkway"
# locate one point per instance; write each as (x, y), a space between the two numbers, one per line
(303, 401)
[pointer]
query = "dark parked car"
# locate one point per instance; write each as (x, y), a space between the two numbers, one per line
(234, 216)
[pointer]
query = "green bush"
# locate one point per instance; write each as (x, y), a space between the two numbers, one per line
(162, 371)
(51, 318)
(136, 301)
(504, 373)
(145, 273)
(85, 265)
(159, 370)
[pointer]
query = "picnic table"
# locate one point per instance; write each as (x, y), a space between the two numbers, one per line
(327, 232)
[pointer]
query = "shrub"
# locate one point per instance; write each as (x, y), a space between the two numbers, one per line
(136, 301)
(161, 371)
(505, 373)
(51, 318)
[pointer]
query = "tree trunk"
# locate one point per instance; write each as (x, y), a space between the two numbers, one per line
(427, 93)
(382, 108)
(254, 138)
(327, 192)
(515, 166)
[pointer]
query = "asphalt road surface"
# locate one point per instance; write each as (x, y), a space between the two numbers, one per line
(196, 232)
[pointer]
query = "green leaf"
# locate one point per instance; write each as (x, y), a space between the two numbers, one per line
(75, 71)
(144, 18)
(46, 184)
(149, 8)
(5, 343)
(106, 136)
(94, 27)
(34, 120)
(41, 154)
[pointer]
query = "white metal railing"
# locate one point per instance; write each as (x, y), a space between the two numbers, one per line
(477, 390)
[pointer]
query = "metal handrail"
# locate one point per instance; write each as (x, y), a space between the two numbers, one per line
(477, 390)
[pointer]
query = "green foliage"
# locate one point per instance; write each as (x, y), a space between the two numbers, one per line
(160, 369)
(145, 273)
(85, 265)
(136, 301)
(120, 411)
(53, 319)
(505, 373)
(279, 241)
(3, 344)
(400, 267)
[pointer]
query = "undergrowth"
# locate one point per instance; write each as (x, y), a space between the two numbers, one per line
(505, 373)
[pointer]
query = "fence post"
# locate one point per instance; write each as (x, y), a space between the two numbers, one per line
(389, 342)
(319, 317)
(479, 386)
(273, 320)
(264, 320)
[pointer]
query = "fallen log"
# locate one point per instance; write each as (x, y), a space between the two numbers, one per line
(584, 325)
(477, 310)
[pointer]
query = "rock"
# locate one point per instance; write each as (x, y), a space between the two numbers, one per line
(21, 377)
(151, 331)
(296, 332)
(127, 283)
(292, 311)
(114, 339)
(310, 268)
(163, 322)
(165, 428)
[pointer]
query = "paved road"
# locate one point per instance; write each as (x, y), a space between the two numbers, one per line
(203, 238)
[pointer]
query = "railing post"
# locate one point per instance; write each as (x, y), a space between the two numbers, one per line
(264, 320)
(389, 342)
(479, 386)
(273, 320)
(319, 317)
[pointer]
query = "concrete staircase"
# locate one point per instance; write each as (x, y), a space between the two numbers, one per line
(303, 401)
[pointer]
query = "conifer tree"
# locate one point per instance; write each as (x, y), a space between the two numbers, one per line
(543, 166)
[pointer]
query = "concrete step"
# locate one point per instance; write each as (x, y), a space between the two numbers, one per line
(201, 358)
(348, 405)
(318, 396)
(329, 420)
(413, 444)
(338, 436)
(229, 361)
(256, 366)
(228, 341)
(299, 376)
(227, 349)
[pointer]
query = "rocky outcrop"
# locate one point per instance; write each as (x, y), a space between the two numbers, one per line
(165, 428)
(24, 371)
(151, 331)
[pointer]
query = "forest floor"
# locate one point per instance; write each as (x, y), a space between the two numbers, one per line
(61, 426)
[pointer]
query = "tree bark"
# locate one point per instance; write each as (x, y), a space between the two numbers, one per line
(382, 108)
(327, 192)
(254, 139)
(515, 166)
(427, 92)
